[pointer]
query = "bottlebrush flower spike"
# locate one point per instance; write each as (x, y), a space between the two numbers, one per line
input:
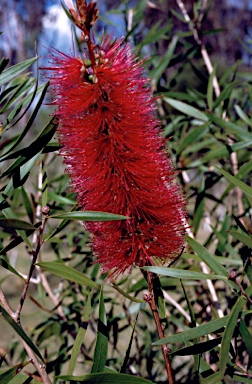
(116, 157)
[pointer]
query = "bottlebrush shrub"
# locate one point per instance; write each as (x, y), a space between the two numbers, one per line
(116, 157)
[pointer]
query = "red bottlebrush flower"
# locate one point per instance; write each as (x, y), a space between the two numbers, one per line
(116, 156)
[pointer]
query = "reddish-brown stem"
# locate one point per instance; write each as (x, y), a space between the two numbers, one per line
(153, 306)
(90, 47)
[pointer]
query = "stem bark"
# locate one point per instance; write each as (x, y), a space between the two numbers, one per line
(150, 299)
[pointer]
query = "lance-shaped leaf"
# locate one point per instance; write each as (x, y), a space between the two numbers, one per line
(201, 330)
(244, 187)
(68, 273)
(80, 336)
(89, 216)
(9, 268)
(25, 154)
(42, 89)
(8, 375)
(230, 127)
(127, 295)
(19, 331)
(198, 348)
(227, 336)
(182, 273)
(8, 74)
(101, 347)
(106, 378)
(186, 109)
(16, 224)
(243, 237)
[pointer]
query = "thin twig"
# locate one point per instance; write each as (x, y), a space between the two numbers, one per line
(195, 26)
(32, 267)
(211, 288)
(50, 293)
(37, 364)
(172, 301)
(233, 276)
(5, 303)
(150, 299)
(38, 241)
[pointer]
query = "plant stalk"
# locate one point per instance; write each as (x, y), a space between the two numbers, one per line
(150, 299)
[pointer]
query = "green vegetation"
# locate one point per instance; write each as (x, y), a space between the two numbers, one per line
(57, 305)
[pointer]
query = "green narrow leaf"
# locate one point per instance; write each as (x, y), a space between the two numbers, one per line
(204, 368)
(164, 62)
(19, 331)
(230, 127)
(60, 227)
(215, 378)
(10, 90)
(15, 183)
(244, 187)
(194, 135)
(80, 336)
(10, 214)
(210, 89)
(89, 216)
(106, 378)
(18, 240)
(174, 124)
(43, 90)
(9, 268)
(228, 333)
(16, 224)
(243, 237)
(21, 90)
(185, 274)
(68, 273)
(222, 260)
(8, 74)
(225, 94)
(8, 375)
(222, 152)
(207, 143)
(27, 203)
(154, 33)
(60, 199)
(196, 357)
(21, 175)
(159, 298)
(207, 257)
(193, 320)
(127, 355)
(243, 171)
(243, 115)
(101, 347)
(198, 348)
(246, 335)
(193, 333)
(127, 295)
(241, 379)
(186, 109)
(24, 155)
(3, 63)
(199, 210)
